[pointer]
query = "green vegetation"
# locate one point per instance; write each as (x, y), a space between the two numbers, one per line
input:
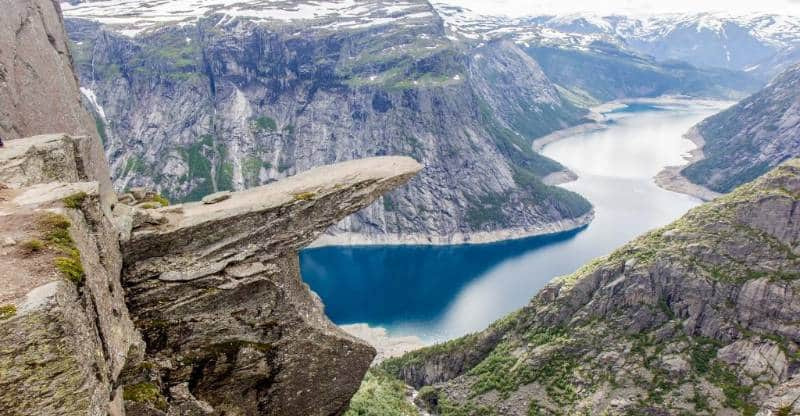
(33, 246)
(74, 201)
(304, 196)
(700, 401)
(381, 395)
(55, 229)
(485, 209)
(251, 169)
(495, 372)
(146, 393)
(448, 408)
(544, 336)
(736, 393)
(101, 129)
(450, 348)
(7, 312)
(412, 63)
(703, 352)
(71, 267)
(161, 200)
(199, 167)
(224, 173)
(134, 164)
(265, 124)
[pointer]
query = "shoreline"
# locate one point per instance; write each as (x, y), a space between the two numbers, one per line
(671, 178)
(599, 120)
(385, 345)
(476, 238)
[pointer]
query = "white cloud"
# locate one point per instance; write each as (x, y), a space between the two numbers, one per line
(528, 8)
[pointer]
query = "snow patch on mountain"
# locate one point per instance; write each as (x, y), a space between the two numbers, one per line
(132, 17)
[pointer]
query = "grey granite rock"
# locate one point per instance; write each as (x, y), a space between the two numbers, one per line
(698, 317)
(199, 284)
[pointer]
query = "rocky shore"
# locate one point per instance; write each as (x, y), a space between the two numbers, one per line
(481, 237)
(672, 179)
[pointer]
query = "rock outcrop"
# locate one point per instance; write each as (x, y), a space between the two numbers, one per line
(699, 317)
(216, 290)
(39, 92)
(128, 306)
(66, 331)
(187, 308)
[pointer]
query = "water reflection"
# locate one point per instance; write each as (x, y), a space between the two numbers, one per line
(442, 292)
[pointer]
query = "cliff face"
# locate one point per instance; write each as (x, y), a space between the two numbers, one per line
(126, 307)
(698, 317)
(231, 103)
(751, 137)
(38, 87)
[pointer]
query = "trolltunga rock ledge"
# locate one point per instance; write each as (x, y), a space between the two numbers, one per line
(216, 290)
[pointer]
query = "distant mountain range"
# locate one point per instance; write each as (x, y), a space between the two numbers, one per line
(762, 44)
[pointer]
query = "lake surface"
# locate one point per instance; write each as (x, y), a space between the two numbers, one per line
(441, 292)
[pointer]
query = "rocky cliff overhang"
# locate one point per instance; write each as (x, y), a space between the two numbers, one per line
(189, 309)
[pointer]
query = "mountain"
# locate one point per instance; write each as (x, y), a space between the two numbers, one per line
(596, 59)
(215, 98)
(698, 317)
(198, 97)
(707, 40)
(751, 137)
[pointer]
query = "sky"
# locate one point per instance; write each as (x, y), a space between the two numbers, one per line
(527, 7)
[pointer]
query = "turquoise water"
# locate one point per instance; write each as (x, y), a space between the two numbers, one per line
(441, 292)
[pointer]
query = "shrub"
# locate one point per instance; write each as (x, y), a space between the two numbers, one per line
(7, 311)
(74, 201)
(161, 200)
(381, 395)
(304, 196)
(71, 267)
(33, 246)
(147, 393)
(265, 123)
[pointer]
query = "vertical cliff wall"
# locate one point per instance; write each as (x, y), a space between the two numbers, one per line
(39, 91)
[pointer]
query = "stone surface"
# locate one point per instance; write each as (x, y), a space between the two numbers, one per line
(699, 317)
(64, 349)
(39, 92)
(216, 197)
(217, 292)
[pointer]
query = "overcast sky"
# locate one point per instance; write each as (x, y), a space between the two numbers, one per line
(527, 7)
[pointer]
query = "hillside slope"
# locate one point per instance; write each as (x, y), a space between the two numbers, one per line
(751, 137)
(699, 317)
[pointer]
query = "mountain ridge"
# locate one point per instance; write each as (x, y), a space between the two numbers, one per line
(694, 317)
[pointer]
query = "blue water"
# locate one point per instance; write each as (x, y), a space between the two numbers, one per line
(441, 292)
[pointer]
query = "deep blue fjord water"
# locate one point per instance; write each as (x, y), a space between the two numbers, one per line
(441, 292)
